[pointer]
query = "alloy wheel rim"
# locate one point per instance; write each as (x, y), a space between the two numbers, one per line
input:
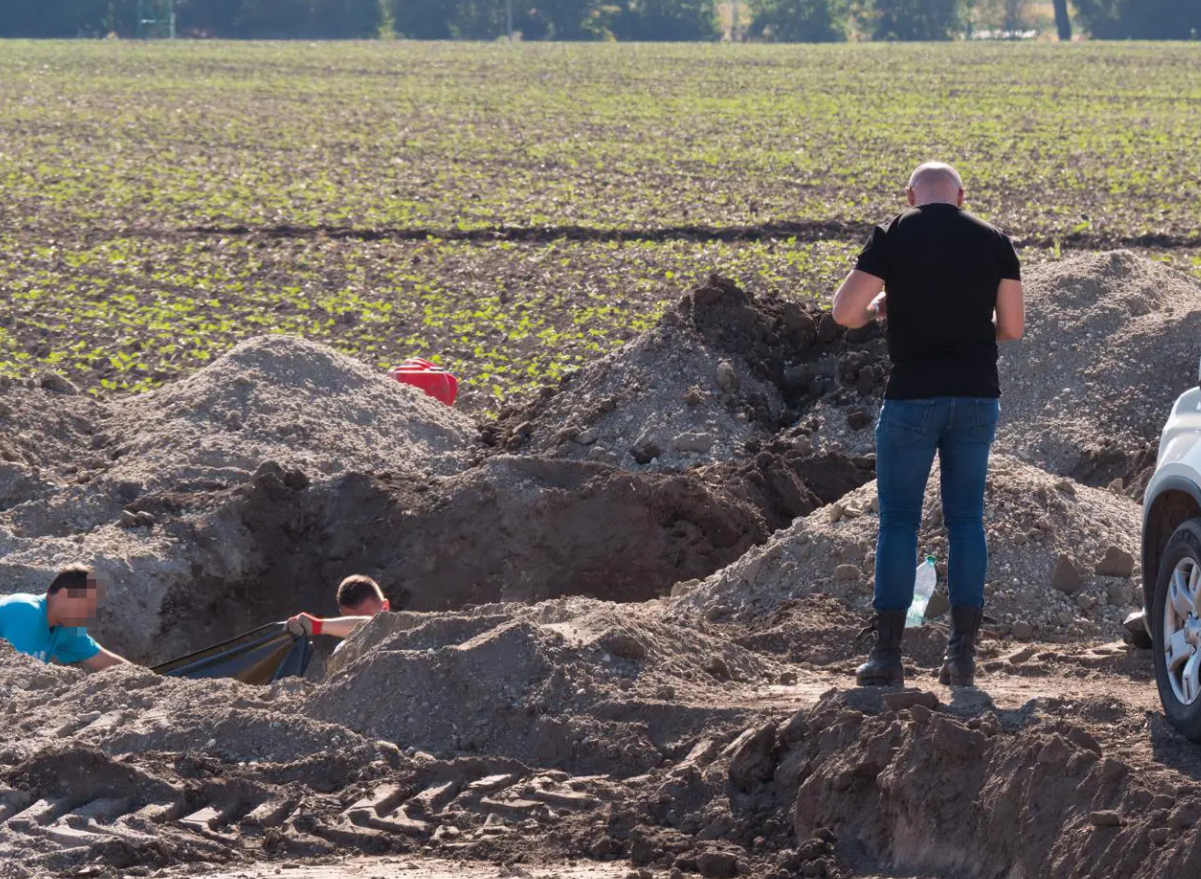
(1182, 631)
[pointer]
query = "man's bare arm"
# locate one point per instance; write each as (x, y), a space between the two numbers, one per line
(851, 301)
(1011, 311)
(104, 659)
(339, 627)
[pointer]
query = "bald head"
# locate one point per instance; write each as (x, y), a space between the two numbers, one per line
(935, 183)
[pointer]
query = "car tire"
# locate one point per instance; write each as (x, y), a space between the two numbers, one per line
(1184, 551)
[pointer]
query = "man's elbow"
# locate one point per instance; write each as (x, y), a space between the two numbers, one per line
(1010, 334)
(846, 318)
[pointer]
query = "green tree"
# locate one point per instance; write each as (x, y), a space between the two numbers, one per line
(666, 20)
(799, 21)
(53, 18)
(422, 19)
(207, 17)
(562, 19)
(1140, 19)
(911, 19)
(273, 20)
(478, 20)
(346, 19)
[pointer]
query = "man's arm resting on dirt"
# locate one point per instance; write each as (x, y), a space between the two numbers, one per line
(339, 627)
(342, 627)
(851, 301)
(104, 659)
(1011, 311)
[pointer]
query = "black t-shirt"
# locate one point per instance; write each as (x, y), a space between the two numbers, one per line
(941, 267)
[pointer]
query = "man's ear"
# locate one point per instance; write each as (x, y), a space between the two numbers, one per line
(910, 197)
(959, 197)
(386, 606)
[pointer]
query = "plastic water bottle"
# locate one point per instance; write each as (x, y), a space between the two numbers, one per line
(924, 581)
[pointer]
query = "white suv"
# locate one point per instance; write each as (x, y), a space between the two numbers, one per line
(1170, 622)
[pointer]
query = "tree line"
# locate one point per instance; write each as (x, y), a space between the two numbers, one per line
(624, 20)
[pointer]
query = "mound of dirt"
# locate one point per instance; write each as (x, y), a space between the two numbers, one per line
(47, 432)
(283, 399)
(1063, 557)
(920, 792)
(722, 368)
(1110, 343)
(582, 730)
(786, 477)
(559, 683)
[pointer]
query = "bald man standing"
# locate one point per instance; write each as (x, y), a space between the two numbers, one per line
(951, 291)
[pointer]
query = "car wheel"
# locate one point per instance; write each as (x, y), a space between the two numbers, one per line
(1176, 629)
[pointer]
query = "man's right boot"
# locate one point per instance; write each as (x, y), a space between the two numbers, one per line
(883, 667)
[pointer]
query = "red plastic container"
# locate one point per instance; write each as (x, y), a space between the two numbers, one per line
(434, 380)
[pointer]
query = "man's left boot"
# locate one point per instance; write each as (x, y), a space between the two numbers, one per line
(959, 664)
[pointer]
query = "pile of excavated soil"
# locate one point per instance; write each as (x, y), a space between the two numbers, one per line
(552, 683)
(283, 399)
(1063, 557)
(1110, 343)
(47, 432)
(920, 792)
(786, 476)
(721, 369)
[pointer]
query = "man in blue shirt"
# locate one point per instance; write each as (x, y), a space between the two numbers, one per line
(52, 627)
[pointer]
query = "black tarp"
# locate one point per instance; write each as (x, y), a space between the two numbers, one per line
(259, 656)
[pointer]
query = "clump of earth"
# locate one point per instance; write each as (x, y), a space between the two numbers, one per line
(627, 614)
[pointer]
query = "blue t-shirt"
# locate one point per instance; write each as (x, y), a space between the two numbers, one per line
(24, 625)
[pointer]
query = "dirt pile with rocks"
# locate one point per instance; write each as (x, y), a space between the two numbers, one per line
(1110, 343)
(722, 386)
(923, 792)
(553, 682)
(721, 369)
(1064, 558)
(282, 399)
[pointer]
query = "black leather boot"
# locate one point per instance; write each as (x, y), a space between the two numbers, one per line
(959, 665)
(883, 667)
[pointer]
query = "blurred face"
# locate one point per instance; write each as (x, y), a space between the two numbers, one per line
(77, 607)
(369, 607)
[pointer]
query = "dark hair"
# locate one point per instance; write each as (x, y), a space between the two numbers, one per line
(73, 578)
(356, 589)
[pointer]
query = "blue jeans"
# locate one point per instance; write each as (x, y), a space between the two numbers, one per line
(961, 430)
